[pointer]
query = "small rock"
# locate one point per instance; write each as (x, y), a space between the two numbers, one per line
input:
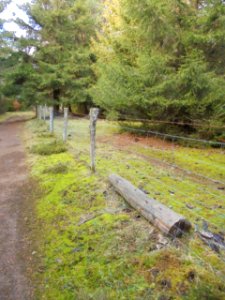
(152, 248)
(75, 250)
(159, 246)
(191, 276)
(165, 283)
(206, 234)
(190, 206)
(162, 240)
(214, 247)
(154, 272)
(58, 260)
(218, 238)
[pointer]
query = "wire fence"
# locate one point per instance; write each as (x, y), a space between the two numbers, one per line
(210, 190)
(194, 123)
(172, 137)
(188, 171)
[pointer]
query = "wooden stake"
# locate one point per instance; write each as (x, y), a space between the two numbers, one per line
(51, 119)
(39, 112)
(168, 221)
(66, 111)
(44, 112)
(94, 112)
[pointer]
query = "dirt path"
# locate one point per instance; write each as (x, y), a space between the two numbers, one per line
(13, 178)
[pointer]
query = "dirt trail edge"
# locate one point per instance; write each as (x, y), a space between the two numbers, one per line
(13, 178)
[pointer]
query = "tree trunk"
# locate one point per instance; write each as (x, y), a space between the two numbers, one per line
(56, 105)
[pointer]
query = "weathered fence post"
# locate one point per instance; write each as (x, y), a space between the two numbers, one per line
(51, 119)
(93, 120)
(44, 112)
(39, 112)
(66, 111)
(36, 111)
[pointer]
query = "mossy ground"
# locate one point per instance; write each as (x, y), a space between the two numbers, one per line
(93, 246)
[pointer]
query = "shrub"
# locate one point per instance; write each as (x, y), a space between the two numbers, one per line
(54, 147)
(3, 105)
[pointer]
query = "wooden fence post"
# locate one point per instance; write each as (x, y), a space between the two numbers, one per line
(65, 127)
(44, 112)
(51, 119)
(36, 111)
(39, 112)
(94, 112)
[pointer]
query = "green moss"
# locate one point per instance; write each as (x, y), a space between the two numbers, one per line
(45, 134)
(57, 168)
(95, 247)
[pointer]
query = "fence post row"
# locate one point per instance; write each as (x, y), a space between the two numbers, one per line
(51, 119)
(66, 112)
(94, 112)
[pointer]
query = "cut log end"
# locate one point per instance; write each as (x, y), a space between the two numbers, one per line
(180, 228)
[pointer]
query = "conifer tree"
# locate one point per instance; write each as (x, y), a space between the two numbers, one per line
(5, 50)
(62, 56)
(53, 59)
(161, 59)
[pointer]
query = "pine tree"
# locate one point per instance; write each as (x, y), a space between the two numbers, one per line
(155, 59)
(63, 57)
(52, 63)
(6, 40)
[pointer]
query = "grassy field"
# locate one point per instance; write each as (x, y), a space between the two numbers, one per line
(94, 245)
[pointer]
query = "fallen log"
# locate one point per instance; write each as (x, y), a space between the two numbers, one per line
(168, 221)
